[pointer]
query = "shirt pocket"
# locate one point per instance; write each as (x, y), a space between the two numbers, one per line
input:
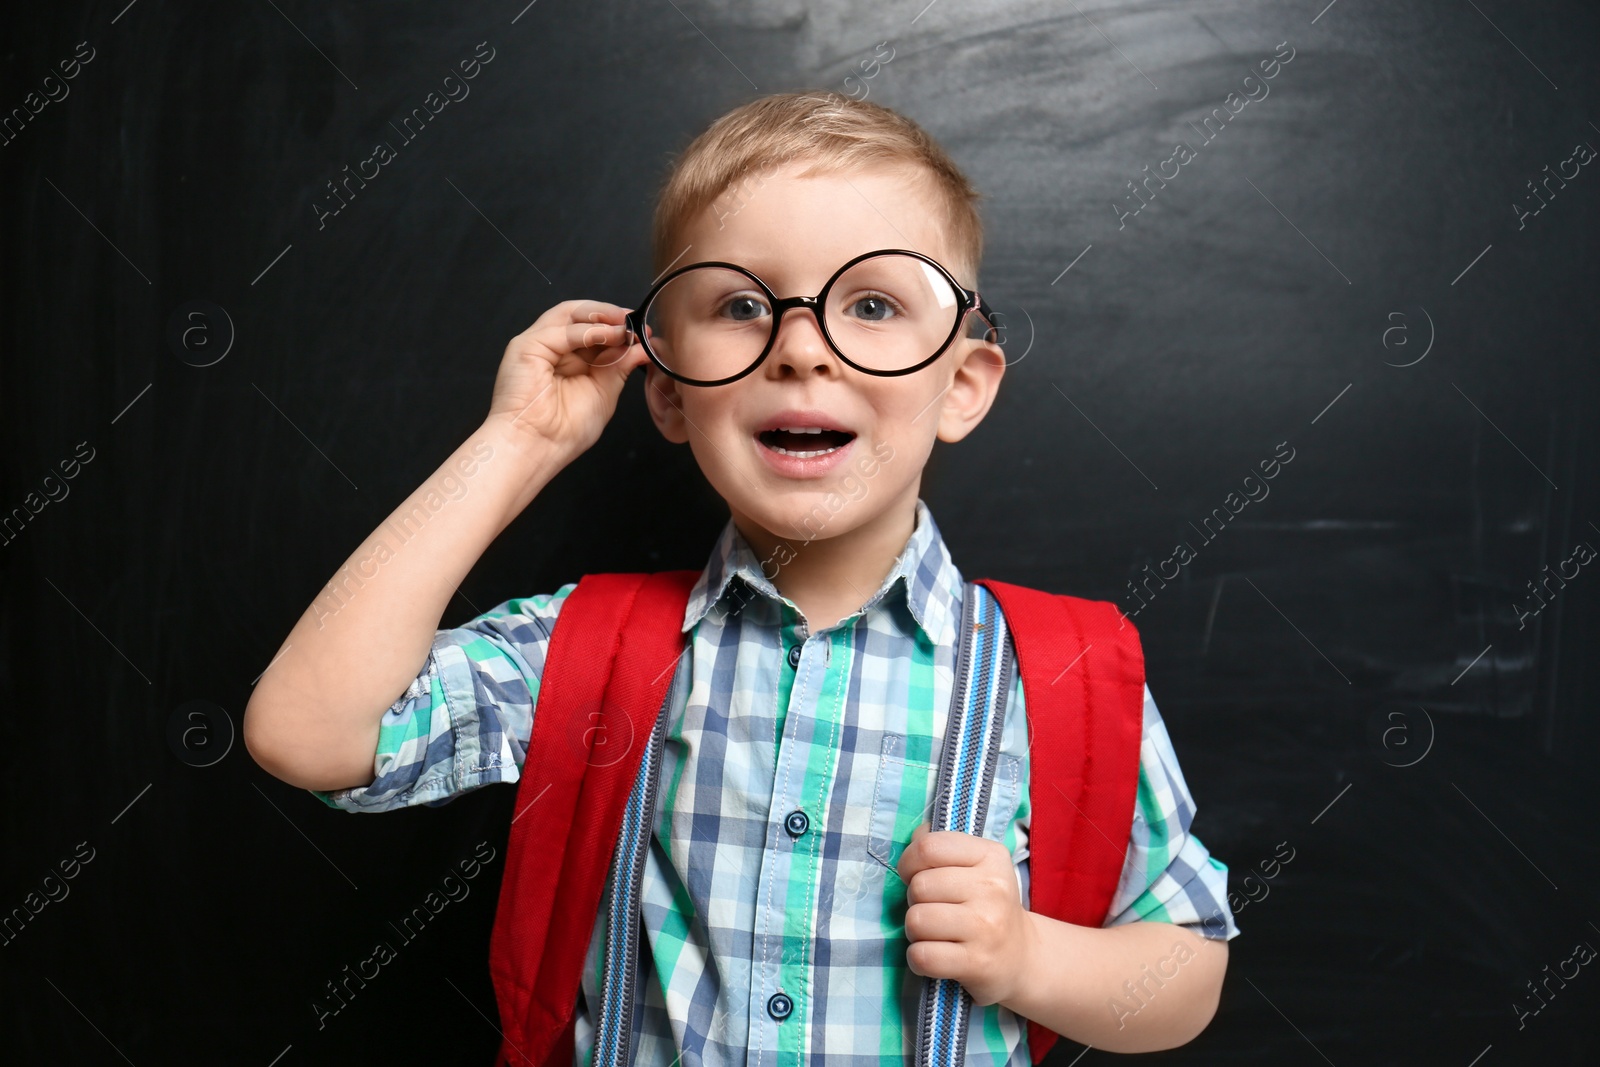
(902, 799)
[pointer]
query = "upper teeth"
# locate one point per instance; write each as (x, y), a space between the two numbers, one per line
(800, 429)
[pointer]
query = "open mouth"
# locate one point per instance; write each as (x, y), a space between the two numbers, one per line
(805, 443)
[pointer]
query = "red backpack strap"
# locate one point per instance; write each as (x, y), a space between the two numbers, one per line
(559, 853)
(1082, 673)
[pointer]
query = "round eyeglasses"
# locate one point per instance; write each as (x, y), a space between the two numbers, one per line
(887, 312)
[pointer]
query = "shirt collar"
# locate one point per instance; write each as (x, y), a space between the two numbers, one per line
(924, 571)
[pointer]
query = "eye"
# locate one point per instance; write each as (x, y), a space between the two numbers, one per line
(744, 307)
(873, 307)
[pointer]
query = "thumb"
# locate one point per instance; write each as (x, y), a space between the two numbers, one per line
(910, 863)
(631, 359)
(616, 363)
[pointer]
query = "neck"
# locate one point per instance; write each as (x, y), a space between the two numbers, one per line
(831, 577)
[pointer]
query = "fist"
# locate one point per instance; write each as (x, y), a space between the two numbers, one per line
(560, 378)
(964, 913)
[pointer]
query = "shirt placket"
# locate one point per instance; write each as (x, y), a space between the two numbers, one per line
(782, 981)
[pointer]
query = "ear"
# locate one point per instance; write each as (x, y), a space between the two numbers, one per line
(663, 395)
(979, 366)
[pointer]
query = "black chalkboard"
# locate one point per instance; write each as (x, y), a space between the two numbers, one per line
(1368, 272)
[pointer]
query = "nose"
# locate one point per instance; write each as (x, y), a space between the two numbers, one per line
(800, 347)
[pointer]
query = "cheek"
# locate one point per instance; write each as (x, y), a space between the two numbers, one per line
(916, 405)
(717, 462)
(905, 432)
(704, 414)
(714, 429)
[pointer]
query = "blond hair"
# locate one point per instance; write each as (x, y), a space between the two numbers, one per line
(832, 132)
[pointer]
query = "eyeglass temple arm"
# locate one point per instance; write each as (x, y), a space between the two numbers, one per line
(995, 320)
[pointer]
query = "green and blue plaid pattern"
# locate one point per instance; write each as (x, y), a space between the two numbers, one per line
(842, 726)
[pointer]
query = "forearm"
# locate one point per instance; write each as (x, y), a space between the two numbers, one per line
(313, 717)
(1134, 987)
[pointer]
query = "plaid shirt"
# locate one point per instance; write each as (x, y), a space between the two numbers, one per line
(736, 909)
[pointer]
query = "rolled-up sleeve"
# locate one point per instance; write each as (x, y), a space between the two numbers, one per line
(1168, 875)
(465, 720)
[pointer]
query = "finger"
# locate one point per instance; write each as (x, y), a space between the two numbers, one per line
(954, 848)
(940, 848)
(951, 885)
(912, 860)
(632, 359)
(600, 335)
(937, 921)
(569, 311)
(594, 311)
(601, 312)
(624, 361)
(938, 959)
(598, 343)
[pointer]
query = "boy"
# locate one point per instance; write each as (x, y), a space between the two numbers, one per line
(792, 896)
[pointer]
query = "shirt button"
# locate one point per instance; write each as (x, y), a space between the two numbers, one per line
(794, 656)
(779, 1006)
(796, 823)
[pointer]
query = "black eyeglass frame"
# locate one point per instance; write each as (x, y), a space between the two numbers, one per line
(970, 301)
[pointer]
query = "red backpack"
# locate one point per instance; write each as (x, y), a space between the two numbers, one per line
(1082, 674)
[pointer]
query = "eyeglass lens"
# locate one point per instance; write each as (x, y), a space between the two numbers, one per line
(886, 313)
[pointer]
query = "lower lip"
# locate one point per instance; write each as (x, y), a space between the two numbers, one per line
(804, 467)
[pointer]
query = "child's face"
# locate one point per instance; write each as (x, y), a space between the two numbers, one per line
(794, 233)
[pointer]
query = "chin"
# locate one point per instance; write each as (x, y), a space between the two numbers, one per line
(848, 494)
(820, 515)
